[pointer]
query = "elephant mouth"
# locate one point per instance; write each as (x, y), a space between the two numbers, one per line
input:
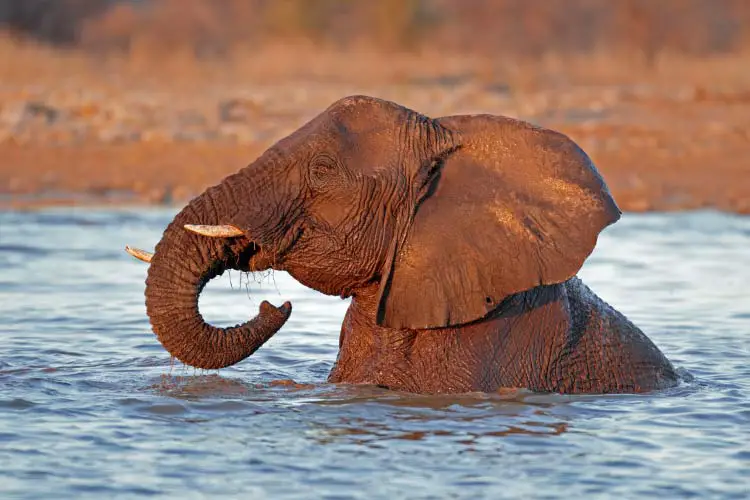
(244, 255)
(241, 261)
(241, 254)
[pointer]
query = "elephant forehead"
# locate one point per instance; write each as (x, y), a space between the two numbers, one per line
(373, 149)
(367, 109)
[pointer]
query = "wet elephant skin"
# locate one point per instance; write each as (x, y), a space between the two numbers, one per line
(457, 238)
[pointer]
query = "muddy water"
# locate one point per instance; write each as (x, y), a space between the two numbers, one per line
(90, 405)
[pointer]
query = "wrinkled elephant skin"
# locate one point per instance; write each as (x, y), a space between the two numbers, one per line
(458, 239)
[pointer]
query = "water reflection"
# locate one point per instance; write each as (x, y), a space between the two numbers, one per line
(362, 431)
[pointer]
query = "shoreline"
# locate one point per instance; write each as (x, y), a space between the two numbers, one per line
(138, 174)
(75, 132)
(170, 173)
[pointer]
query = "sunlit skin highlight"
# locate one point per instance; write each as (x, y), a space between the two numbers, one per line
(457, 238)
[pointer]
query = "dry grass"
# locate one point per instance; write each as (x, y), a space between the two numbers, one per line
(141, 125)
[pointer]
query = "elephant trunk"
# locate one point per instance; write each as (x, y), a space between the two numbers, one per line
(182, 264)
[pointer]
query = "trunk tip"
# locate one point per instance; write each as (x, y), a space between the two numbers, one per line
(283, 310)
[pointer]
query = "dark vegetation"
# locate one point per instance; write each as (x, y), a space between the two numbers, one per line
(505, 28)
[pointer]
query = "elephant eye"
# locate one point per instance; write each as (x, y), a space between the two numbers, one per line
(322, 169)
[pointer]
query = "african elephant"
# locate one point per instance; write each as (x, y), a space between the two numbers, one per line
(457, 238)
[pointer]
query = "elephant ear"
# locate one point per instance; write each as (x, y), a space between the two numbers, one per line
(513, 207)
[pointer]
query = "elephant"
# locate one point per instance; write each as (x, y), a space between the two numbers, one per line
(458, 240)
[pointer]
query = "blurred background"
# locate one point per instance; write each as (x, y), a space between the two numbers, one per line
(150, 101)
(507, 28)
(146, 103)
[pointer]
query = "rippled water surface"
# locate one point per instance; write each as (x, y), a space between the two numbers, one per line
(91, 406)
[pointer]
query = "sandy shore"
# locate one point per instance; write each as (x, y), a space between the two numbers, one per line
(78, 131)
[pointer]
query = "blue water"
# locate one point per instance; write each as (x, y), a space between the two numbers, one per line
(92, 407)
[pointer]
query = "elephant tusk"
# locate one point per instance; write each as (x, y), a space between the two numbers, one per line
(225, 231)
(139, 254)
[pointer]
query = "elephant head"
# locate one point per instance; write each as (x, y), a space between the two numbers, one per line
(442, 218)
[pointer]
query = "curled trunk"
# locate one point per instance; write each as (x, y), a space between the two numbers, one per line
(181, 266)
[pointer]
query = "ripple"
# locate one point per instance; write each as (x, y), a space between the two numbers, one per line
(164, 409)
(16, 404)
(24, 250)
(93, 406)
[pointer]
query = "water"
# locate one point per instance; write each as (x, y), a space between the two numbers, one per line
(90, 405)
